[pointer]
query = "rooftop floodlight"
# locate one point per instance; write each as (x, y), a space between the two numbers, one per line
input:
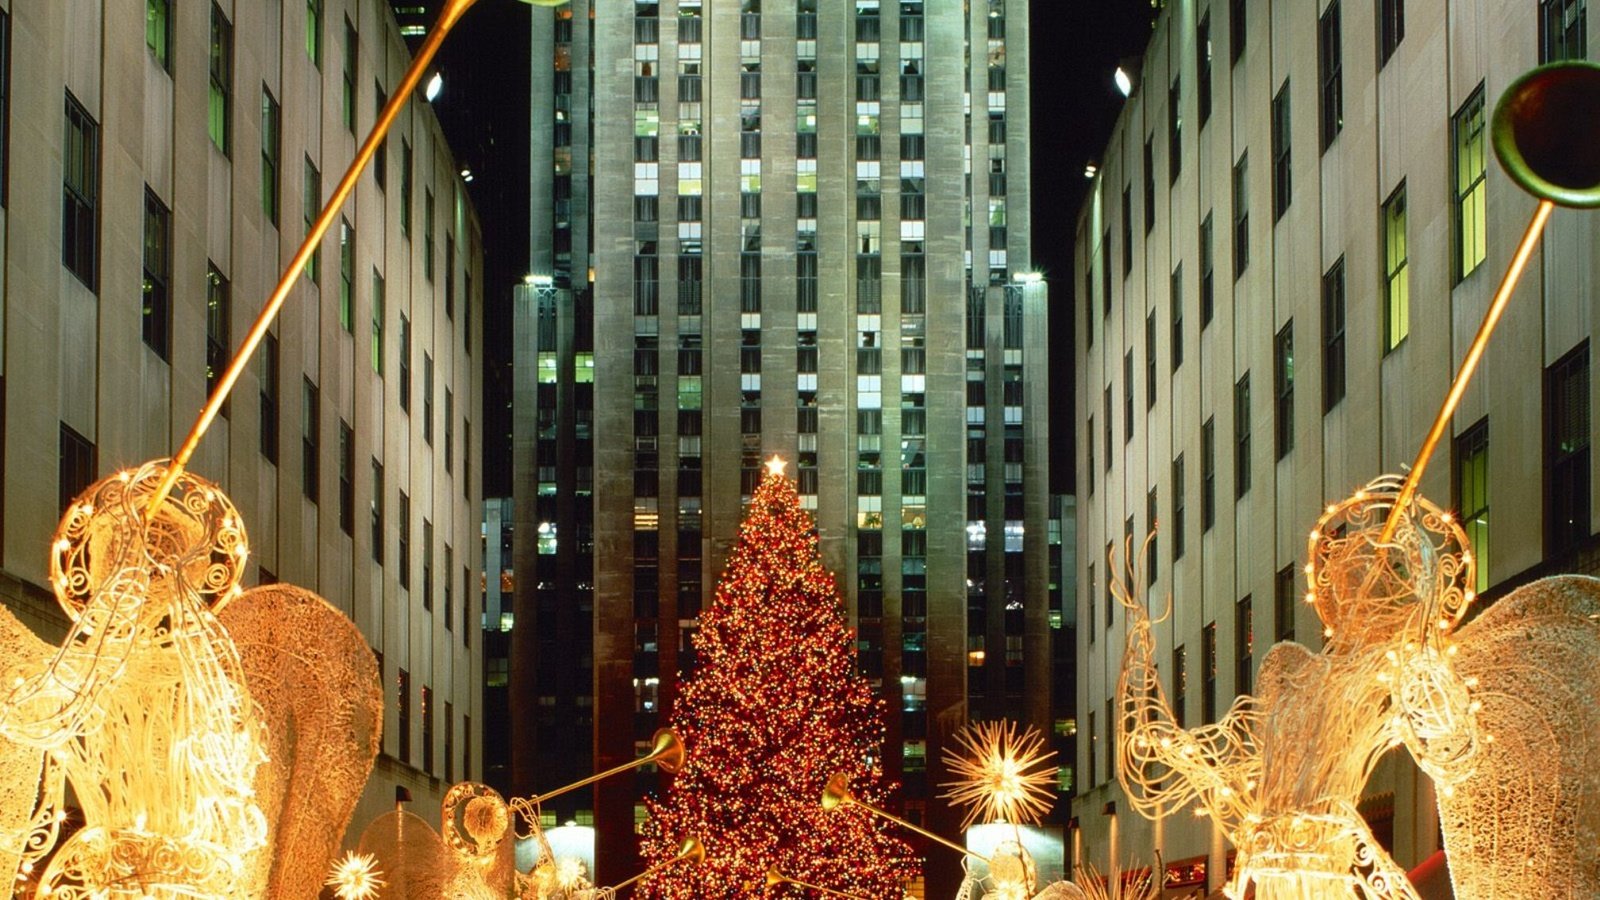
(436, 84)
(1124, 83)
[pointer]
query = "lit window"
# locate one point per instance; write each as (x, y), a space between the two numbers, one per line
(1397, 296)
(1471, 191)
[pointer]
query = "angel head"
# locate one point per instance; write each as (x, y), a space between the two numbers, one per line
(1368, 591)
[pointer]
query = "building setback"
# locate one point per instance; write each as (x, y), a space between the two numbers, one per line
(792, 227)
(162, 165)
(1294, 233)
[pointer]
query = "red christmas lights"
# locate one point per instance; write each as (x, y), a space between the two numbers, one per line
(775, 707)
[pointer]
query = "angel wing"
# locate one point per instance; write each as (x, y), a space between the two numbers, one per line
(1526, 821)
(21, 654)
(316, 682)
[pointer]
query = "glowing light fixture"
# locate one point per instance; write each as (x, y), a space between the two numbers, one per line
(1124, 83)
(436, 84)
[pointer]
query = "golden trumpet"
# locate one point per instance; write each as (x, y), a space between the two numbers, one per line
(836, 793)
(691, 850)
(775, 878)
(667, 751)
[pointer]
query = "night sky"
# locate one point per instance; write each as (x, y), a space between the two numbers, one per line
(484, 110)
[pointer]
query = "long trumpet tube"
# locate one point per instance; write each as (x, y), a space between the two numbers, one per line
(448, 16)
(775, 878)
(837, 793)
(667, 750)
(1491, 318)
(691, 850)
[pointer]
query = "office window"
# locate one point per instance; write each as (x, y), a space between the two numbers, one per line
(1149, 183)
(1566, 418)
(1105, 273)
(1150, 360)
(1202, 37)
(157, 305)
(1282, 185)
(1208, 667)
(1107, 429)
(376, 349)
(5, 106)
(1094, 754)
(1333, 336)
(1284, 593)
(427, 398)
(377, 511)
(449, 429)
(158, 31)
(1283, 389)
(1127, 231)
(1208, 474)
(219, 118)
(311, 440)
(352, 47)
(403, 546)
(271, 155)
(311, 207)
(347, 479)
(1330, 73)
(1391, 28)
(1108, 597)
(403, 714)
(1089, 443)
(405, 188)
(1180, 684)
(449, 588)
(466, 748)
(1244, 643)
(1241, 215)
(1471, 192)
(449, 742)
(1089, 602)
(1174, 132)
(1177, 524)
(1153, 549)
(1241, 436)
(427, 565)
(1175, 296)
(80, 194)
(449, 276)
(380, 157)
(1237, 30)
(269, 397)
(1397, 294)
(1127, 396)
(219, 327)
(1208, 292)
(427, 234)
(347, 275)
(77, 464)
(1472, 495)
(314, 31)
(1562, 30)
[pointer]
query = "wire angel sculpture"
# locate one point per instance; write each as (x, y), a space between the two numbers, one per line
(1501, 714)
(213, 751)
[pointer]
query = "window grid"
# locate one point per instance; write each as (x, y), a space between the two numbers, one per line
(1282, 174)
(1241, 215)
(1397, 296)
(1563, 30)
(1283, 389)
(1241, 437)
(1333, 362)
(1567, 452)
(219, 118)
(156, 308)
(1470, 163)
(1330, 72)
(80, 226)
(1391, 28)
(1472, 496)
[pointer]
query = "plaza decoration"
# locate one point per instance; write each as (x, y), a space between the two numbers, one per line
(1500, 713)
(216, 739)
(774, 706)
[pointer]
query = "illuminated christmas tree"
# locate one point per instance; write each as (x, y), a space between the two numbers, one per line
(775, 707)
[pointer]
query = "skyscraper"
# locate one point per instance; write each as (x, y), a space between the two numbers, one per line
(792, 227)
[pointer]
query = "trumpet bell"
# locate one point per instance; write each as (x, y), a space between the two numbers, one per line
(775, 878)
(667, 750)
(837, 791)
(692, 851)
(1546, 133)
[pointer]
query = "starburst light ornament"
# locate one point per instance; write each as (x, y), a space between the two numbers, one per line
(1003, 773)
(356, 877)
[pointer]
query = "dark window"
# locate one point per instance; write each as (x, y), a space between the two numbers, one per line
(347, 275)
(1127, 396)
(1105, 273)
(403, 548)
(1202, 36)
(157, 304)
(1089, 442)
(311, 207)
(1391, 28)
(1107, 429)
(403, 717)
(271, 154)
(1283, 597)
(1333, 336)
(1150, 360)
(1562, 30)
(1176, 300)
(311, 440)
(427, 564)
(1237, 30)
(1241, 215)
(405, 363)
(377, 512)
(347, 479)
(219, 116)
(427, 234)
(269, 398)
(78, 464)
(1208, 292)
(219, 327)
(1472, 496)
(1180, 684)
(1567, 452)
(1208, 665)
(405, 188)
(380, 157)
(1174, 132)
(1282, 185)
(1177, 523)
(80, 193)
(449, 588)
(1149, 184)
(449, 276)
(1127, 231)
(1330, 72)
(1245, 644)
(1283, 389)
(1208, 474)
(427, 398)
(1152, 550)
(449, 737)
(1241, 436)
(376, 350)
